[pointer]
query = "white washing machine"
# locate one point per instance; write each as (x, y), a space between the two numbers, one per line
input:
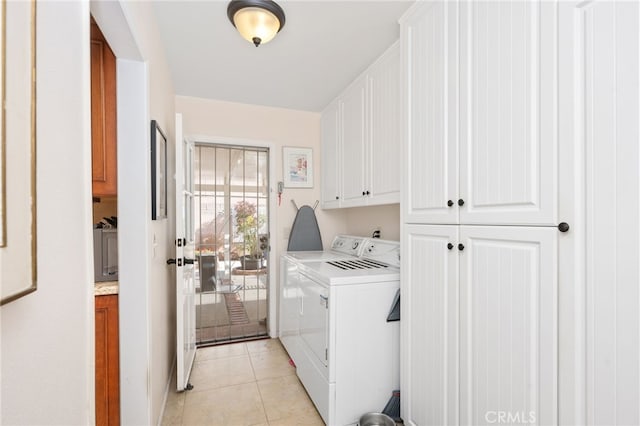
(342, 247)
(349, 354)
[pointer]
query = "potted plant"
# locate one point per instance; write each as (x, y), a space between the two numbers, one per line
(248, 223)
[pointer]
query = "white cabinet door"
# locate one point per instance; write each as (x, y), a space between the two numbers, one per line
(330, 128)
(429, 338)
(384, 144)
(430, 72)
(508, 325)
(600, 56)
(508, 112)
(353, 143)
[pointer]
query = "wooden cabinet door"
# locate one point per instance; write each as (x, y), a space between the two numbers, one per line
(429, 358)
(330, 123)
(384, 142)
(508, 325)
(354, 113)
(103, 115)
(430, 72)
(508, 112)
(107, 360)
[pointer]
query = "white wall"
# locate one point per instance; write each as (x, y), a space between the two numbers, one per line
(363, 220)
(47, 337)
(161, 294)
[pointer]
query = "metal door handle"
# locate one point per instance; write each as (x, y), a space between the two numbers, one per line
(188, 261)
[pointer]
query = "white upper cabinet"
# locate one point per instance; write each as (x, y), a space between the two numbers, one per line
(429, 40)
(481, 119)
(508, 112)
(368, 138)
(329, 126)
(384, 147)
(353, 143)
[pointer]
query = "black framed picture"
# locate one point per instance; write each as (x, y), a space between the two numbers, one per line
(158, 172)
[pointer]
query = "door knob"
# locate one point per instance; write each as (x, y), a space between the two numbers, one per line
(461, 202)
(450, 203)
(563, 227)
(460, 246)
(449, 246)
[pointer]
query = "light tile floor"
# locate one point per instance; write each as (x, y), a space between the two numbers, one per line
(242, 384)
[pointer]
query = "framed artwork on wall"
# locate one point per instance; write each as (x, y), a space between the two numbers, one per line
(298, 167)
(158, 172)
(18, 233)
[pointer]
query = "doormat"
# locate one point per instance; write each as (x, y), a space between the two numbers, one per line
(235, 309)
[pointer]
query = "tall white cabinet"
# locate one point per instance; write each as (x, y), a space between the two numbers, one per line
(521, 213)
(480, 212)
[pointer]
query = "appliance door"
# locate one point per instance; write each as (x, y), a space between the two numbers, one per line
(314, 317)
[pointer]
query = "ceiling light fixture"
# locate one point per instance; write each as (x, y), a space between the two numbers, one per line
(257, 21)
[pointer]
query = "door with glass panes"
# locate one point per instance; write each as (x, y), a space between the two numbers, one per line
(231, 203)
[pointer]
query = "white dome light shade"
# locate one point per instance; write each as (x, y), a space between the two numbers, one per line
(253, 22)
(257, 21)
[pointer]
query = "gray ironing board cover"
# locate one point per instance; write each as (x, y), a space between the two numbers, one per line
(305, 234)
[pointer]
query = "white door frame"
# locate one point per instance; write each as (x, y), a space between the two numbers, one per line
(271, 265)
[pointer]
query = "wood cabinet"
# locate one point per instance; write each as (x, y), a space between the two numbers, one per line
(107, 360)
(361, 128)
(103, 115)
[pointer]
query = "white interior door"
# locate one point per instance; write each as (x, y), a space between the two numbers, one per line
(185, 283)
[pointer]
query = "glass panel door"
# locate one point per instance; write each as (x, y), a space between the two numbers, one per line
(231, 190)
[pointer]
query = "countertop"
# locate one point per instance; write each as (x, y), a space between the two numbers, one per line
(106, 288)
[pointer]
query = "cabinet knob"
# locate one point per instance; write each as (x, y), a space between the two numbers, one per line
(450, 203)
(563, 227)
(460, 246)
(337, 198)
(449, 246)
(368, 193)
(461, 202)
(363, 193)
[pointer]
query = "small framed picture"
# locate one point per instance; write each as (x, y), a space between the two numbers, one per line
(298, 167)
(158, 172)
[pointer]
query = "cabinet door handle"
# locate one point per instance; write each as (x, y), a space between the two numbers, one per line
(461, 202)
(450, 203)
(337, 198)
(460, 246)
(363, 193)
(368, 193)
(563, 227)
(449, 246)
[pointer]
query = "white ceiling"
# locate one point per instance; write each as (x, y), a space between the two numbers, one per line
(323, 46)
